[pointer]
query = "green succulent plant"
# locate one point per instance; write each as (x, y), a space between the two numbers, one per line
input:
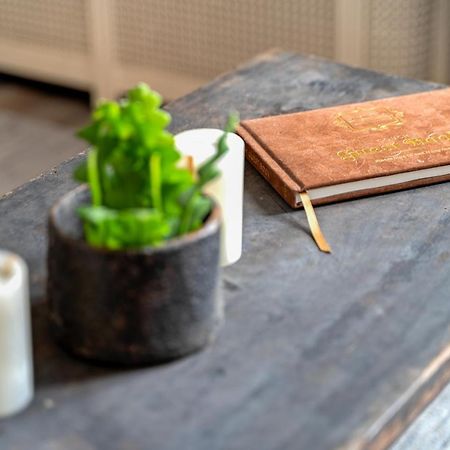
(140, 194)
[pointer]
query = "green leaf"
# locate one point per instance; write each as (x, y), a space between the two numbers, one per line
(207, 170)
(194, 209)
(130, 228)
(93, 177)
(155, 180)
(140, 196)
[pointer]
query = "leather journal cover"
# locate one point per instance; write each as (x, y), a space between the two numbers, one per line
(353, 150)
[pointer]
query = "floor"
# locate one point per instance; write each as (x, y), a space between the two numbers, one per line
(38, 133)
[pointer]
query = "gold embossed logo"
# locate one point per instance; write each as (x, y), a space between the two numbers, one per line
(369, 119)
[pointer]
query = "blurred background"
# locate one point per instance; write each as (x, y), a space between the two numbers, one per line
(57, 57)
(99, 48)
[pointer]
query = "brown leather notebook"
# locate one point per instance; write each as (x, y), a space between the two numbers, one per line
(353, 150)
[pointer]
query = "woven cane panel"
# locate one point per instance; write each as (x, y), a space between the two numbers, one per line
(401, 36)
(57, 24)
(205, 37)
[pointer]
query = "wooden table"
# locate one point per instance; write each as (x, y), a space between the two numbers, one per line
(318, 351)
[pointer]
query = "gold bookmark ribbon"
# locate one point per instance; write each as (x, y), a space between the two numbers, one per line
(313, 223)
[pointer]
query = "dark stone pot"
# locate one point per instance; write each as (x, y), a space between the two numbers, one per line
(132, 307)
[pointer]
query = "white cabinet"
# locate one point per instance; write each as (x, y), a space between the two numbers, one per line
(105, 46)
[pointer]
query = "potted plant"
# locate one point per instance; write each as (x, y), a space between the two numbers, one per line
(133, 273)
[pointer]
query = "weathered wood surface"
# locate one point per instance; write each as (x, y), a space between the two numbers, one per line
(318, 351)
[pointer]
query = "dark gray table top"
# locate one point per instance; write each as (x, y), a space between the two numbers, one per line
(318, 351)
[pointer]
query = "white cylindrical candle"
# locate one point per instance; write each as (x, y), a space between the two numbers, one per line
(16, 366)
(227, 189)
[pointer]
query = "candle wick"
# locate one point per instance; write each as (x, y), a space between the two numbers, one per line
(7, 268)
(190, 164)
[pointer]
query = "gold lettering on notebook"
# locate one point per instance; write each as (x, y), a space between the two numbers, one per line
(351, 154)
(369, 119)
(404, 155)
(401, 144)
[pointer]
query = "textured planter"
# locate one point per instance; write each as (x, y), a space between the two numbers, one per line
(132, 307)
